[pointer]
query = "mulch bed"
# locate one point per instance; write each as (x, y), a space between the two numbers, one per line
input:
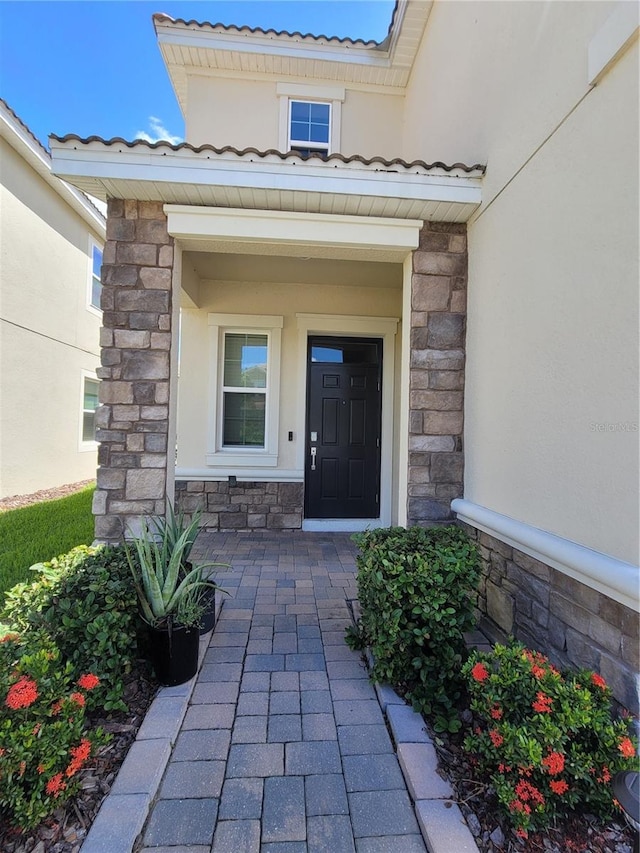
(17, 501)
(493, 834)
(67, 828)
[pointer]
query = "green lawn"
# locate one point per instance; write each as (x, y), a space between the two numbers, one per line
(38, 532)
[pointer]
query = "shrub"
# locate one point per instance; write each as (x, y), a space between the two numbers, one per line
(546, 739)
(44, 744)
(85, 602)
(415, 588)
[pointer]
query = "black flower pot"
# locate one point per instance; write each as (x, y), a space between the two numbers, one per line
(174, 653)
(209, 616)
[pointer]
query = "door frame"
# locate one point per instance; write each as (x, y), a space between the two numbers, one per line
(355, 327)
(373, 452)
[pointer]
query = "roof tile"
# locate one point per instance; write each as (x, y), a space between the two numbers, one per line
(289, 155)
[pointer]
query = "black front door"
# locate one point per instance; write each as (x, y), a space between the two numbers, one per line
(342, 469)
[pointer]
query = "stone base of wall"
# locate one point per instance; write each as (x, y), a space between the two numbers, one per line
(244, 506)
(574, 625)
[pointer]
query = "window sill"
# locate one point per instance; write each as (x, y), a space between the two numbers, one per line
(258, 459)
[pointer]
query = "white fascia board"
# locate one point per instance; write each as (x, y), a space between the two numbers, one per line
(266, 46)
(612, 39)
(190, 222)
(40, 161)
(288, 175)
(612, 577)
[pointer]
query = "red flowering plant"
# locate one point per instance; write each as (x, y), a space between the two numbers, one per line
(43, 742)
(546, 739)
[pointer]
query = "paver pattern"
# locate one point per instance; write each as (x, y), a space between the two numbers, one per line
(283, 748)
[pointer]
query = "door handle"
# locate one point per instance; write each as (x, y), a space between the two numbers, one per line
(313, 458)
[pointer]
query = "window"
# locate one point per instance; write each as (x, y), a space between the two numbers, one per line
(244, 411)
(245, 388)
(309, 127)
(95, 285)
(89, 406)
(309, 117)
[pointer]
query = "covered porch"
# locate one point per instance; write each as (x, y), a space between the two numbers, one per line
(282, 341)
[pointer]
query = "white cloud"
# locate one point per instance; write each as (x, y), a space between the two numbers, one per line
(157, 132)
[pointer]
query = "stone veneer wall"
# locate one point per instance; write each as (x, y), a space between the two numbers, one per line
(133, 418)
(438, 315)
(243, 506)
(544, 608)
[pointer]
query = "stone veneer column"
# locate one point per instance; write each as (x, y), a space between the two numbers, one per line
(133, 418)
(438, 315)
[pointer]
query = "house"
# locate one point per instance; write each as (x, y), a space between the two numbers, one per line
(391, 283)
(51, 241)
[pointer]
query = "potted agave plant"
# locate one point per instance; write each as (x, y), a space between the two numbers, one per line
(170, 529)
(170, 598)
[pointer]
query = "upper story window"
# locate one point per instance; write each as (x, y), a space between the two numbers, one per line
(310, 118)
(309, 127)
(95, 284)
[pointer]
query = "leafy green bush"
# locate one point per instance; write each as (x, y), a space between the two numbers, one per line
(415, 589)
(44, 744)
(85, 601)
(546, 739)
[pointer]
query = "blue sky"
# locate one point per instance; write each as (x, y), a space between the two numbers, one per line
(93, 67)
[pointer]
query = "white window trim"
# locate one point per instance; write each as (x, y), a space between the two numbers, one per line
(219, 325)
(93, 244)
(84, 446)
(333, 95)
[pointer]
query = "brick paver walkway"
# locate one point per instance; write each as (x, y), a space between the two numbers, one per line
(284, 747)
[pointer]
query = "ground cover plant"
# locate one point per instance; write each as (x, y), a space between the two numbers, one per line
(416, 588)
(545, 739)
(33, 533)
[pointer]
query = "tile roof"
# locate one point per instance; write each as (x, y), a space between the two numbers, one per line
(13, 116)
(162, 18)
(247, 153)
(24, 126)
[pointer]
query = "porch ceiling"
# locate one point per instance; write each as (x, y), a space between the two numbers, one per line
(254, 180)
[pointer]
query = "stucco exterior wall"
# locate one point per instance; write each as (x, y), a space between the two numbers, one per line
(48, 336)
(246, 114)
(224, 111)
(260, 298)
(372, 124)
(551, 404)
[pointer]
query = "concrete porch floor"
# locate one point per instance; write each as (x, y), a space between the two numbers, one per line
(280, 744)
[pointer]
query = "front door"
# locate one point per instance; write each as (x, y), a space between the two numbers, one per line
(344, 408)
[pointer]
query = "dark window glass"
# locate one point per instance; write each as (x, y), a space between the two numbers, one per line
(310, 122)
(245, 361)
(345, 352)
(244, 420)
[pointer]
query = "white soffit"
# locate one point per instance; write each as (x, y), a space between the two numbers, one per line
(267, 182)
(292, 234)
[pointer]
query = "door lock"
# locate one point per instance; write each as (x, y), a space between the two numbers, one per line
(313, 458)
